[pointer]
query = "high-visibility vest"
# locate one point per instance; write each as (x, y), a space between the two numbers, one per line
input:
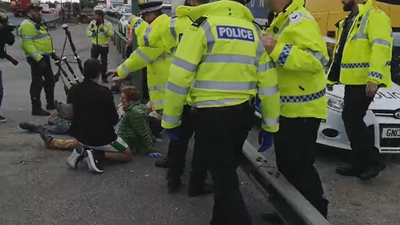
(368, 50)
(151, 53)
(36, 41)
(220, 61)
(100, 37)
(301, 57)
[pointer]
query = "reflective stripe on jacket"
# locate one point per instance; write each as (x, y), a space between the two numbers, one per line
(221, 62)
(368, 50)
(35, 42)
(301, 56)
(100, 36)
(151, 53)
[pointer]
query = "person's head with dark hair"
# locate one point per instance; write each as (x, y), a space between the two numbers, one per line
(149, 11)
(99, 15)
(129, 94)
(92, 69)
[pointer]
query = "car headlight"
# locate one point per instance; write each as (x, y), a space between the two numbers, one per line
(335, 103)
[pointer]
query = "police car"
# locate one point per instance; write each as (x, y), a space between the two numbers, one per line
(382, 118)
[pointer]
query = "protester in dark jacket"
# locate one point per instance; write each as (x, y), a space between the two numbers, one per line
(94, 118)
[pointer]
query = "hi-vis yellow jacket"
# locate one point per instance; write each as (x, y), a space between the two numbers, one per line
(222, 61)
(368, 50)
(151, 53)
(36, 41)
(100, 36)
(301, 56)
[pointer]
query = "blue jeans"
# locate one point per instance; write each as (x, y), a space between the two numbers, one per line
(60, 126)
(1, 87)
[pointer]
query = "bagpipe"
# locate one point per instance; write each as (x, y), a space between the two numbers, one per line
(65, 78)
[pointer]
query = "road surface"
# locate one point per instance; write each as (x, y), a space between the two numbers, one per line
(37, 187)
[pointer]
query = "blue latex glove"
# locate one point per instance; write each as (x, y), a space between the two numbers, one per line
(172, 133)
(265, 140)
(155, 155)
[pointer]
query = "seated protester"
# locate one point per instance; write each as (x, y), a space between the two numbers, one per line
(94, 118)
(57, 124)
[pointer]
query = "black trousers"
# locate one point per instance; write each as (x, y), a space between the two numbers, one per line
(177, 153)
(295, 146)
(356, 103)
(220, 135)
(97, 51)
(41, 78)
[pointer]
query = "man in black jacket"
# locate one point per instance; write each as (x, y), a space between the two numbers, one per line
(94, 118)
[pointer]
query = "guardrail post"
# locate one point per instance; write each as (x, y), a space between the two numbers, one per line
(137, 78)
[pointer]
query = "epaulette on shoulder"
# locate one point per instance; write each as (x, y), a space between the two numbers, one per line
(199, 21)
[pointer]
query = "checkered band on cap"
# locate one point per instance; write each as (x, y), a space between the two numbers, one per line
(150, 9)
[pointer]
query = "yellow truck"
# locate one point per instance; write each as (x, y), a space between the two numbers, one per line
(329, 12)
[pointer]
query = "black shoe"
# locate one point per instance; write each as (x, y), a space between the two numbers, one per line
(174, 185)
(372, 172)
(195, 192)
(349, 171)
(94, 162)
(271, 217)
(46, 137)
(27, 126)
(40, 112)
(162, 163)
(51, 106)
(3, 119)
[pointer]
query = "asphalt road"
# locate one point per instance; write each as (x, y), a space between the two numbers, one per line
(18, 20)
(37, 187)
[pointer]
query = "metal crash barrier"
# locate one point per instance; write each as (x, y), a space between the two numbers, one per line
(293, 208)
(54, 23)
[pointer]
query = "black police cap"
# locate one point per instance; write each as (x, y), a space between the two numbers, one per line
(99, 12)
(34, 6)
(150, 7)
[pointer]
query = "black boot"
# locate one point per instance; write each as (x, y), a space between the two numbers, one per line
(349, 171)
(173, 185)
(46, 137)
(50, 106)
(271, 217)
(198, 191)
(39, 112)
(28, 126)
(373, 172)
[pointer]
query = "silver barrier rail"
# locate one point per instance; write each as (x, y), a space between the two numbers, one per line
(292, 207)
(287, 201)
(54, 23)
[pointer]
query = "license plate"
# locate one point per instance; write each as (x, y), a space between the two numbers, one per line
(391, 133)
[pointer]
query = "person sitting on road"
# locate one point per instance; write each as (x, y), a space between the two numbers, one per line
(94, 118)
(136, 128)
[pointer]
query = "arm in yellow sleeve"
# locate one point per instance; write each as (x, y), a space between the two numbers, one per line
(139, 59)
(268, 92)
(312, 56)
(89, 32)
(108, 30)
(380, 38)
(182, 72)
(27, 34)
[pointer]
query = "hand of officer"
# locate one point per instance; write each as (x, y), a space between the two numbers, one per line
(265, 140)
(42, 63)
(94, 33)
(172, 133)
(268, 42)
(101, 27)
(371, 89)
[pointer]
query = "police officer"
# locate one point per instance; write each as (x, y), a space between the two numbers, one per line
(179, 144)
(362, 63)
(38, 47)
(151, 52)
(221, 60)
(295, 44)
(100, 31)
